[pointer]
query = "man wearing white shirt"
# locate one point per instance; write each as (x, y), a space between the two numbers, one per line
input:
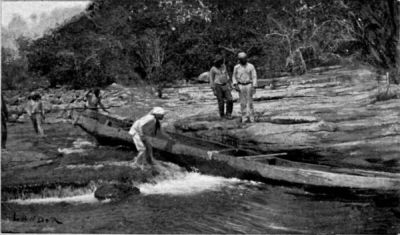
(146, 126)
(245, 82)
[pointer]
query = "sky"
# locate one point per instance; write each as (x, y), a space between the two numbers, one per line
(27, 8)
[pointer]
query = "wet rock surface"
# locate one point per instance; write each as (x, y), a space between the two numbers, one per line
(329, 117)
(331, 112)
(115, 191)
(332, 115)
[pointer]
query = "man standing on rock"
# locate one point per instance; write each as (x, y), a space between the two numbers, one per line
(4, 119)
(245, 82)
(140, 130)
(35, 111)
(93, 100)
(221, 86)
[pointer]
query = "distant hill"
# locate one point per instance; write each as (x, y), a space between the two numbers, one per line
(36, 25)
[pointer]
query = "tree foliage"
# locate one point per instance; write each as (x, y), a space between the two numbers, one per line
(159, 41)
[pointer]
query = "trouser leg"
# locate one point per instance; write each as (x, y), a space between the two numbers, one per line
(220, 98)
(149, 153)
(34, 123)
(39, 124)
(140, 147)
(250, 106)
(243, 101)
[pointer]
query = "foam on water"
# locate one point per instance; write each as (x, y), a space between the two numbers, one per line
(186, 184)
(174, 180)
(82, 143)
(79, 146)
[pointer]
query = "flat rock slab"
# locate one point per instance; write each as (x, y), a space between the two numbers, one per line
(332, 114)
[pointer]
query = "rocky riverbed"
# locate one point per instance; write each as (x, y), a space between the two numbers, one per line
(329, 116)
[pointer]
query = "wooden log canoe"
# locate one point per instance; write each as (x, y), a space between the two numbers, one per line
(109, 130)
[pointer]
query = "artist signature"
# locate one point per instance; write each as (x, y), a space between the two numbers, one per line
(36, 219)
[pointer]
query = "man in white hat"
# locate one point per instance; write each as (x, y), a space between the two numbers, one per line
(148, 125)
(245, 82)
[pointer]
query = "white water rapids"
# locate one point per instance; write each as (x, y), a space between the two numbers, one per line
(172, 180)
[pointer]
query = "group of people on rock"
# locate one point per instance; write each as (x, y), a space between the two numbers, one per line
(36, 113)
(244, 81)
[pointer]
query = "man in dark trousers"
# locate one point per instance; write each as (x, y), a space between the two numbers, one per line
(4, 119)
(220, 83)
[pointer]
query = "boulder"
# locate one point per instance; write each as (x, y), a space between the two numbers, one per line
(13, 118)
(115, 191)
(22, 118)
(204, 77)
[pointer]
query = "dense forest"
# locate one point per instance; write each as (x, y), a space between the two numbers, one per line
(160, 42)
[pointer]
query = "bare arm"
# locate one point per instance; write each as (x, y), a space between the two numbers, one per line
(234, 81)
(87, 94)
(227, 74)
(254, 77)
(212, 77)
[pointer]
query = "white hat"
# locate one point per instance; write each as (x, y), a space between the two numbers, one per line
(242, 55)
(158, 110)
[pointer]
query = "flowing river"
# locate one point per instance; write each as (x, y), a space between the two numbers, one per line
(181, 201)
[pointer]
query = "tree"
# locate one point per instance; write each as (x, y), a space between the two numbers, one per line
(377, 27)
(125, 38)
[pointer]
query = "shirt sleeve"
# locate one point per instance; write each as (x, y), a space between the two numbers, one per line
(254, 76)
(234, 81)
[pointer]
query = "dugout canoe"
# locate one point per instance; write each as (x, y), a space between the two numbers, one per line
(111, 130)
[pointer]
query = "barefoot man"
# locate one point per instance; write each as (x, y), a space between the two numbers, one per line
(140, 130)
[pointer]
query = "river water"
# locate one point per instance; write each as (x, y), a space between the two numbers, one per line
(179, 201)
